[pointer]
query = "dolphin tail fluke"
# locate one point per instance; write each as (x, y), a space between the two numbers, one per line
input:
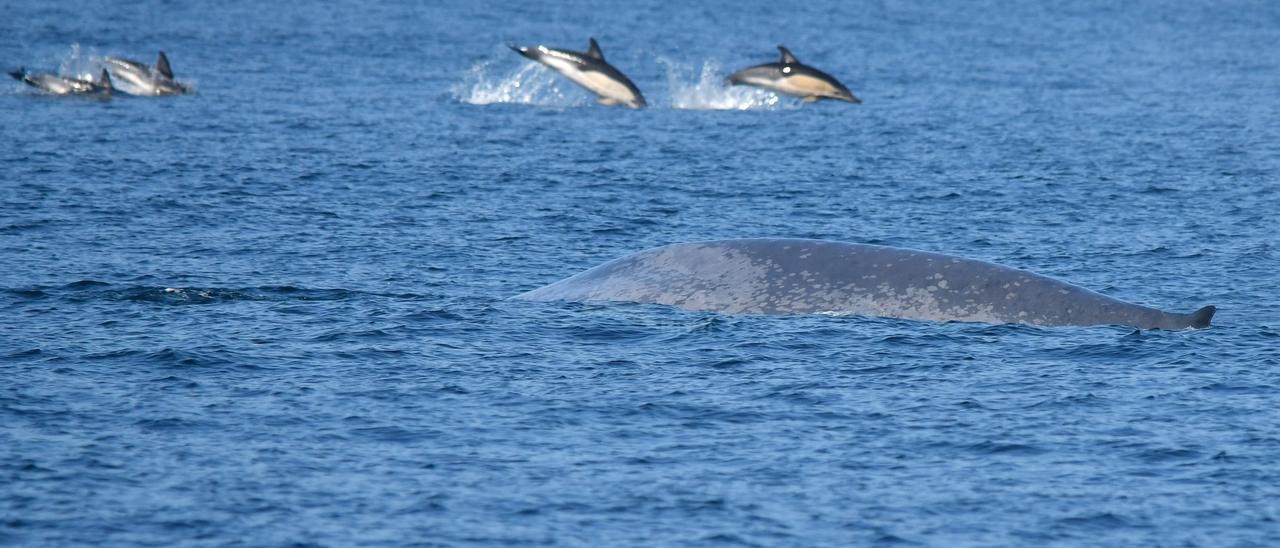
(20, 74)
(162, 66)
(1200, 318)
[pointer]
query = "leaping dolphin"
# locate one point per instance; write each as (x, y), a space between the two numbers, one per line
(62, 85)
(589, 70)
(794, 276)
(148, 80)
(791, 77)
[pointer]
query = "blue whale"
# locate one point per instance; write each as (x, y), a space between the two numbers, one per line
(795, 276)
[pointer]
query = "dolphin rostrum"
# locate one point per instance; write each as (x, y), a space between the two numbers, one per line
(148, 80)
(63, 85)
(589, 70)
(795, 276)
(791, 77)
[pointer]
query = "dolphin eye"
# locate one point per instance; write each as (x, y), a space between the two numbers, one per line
(786, 70)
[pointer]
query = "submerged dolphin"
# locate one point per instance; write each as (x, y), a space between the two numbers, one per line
(793, 276)
(148, 80)
(791, 77)
(589, 70)
(62, 85)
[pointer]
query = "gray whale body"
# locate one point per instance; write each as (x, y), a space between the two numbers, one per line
(796, 276)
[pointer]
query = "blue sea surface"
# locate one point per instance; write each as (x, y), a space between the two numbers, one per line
(277, 311)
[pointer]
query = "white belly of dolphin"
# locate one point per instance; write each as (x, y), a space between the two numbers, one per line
(788, 276)
(805, 86)
(54, 85)
(798, 86)
(142, 84)
(597, 82)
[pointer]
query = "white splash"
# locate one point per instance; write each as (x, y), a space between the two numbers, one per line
(531, 84)
(707, 90)
(78, 64)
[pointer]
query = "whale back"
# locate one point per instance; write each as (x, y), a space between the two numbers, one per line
(793, 276)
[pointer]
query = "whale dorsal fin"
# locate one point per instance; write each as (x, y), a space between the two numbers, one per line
(162, 66)
(1200, 318)
(594, 50)
(104, 79)
(787, 58)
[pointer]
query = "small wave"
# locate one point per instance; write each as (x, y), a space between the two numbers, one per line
(531, 84)
(23, 226)
(198, 295)
(1100, 520)
(91, 290)
(995, 448)
(86, 284)
(705, 89)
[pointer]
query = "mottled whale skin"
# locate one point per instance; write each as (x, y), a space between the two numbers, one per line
(792, 77)
(795, 276)
(589, 70)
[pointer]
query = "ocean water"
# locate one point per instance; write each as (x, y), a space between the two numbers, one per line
(276, 312)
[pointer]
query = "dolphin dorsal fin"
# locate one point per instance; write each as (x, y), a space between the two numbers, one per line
(594, 50)
(104, 79)
(787, 58)
(162, 66)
